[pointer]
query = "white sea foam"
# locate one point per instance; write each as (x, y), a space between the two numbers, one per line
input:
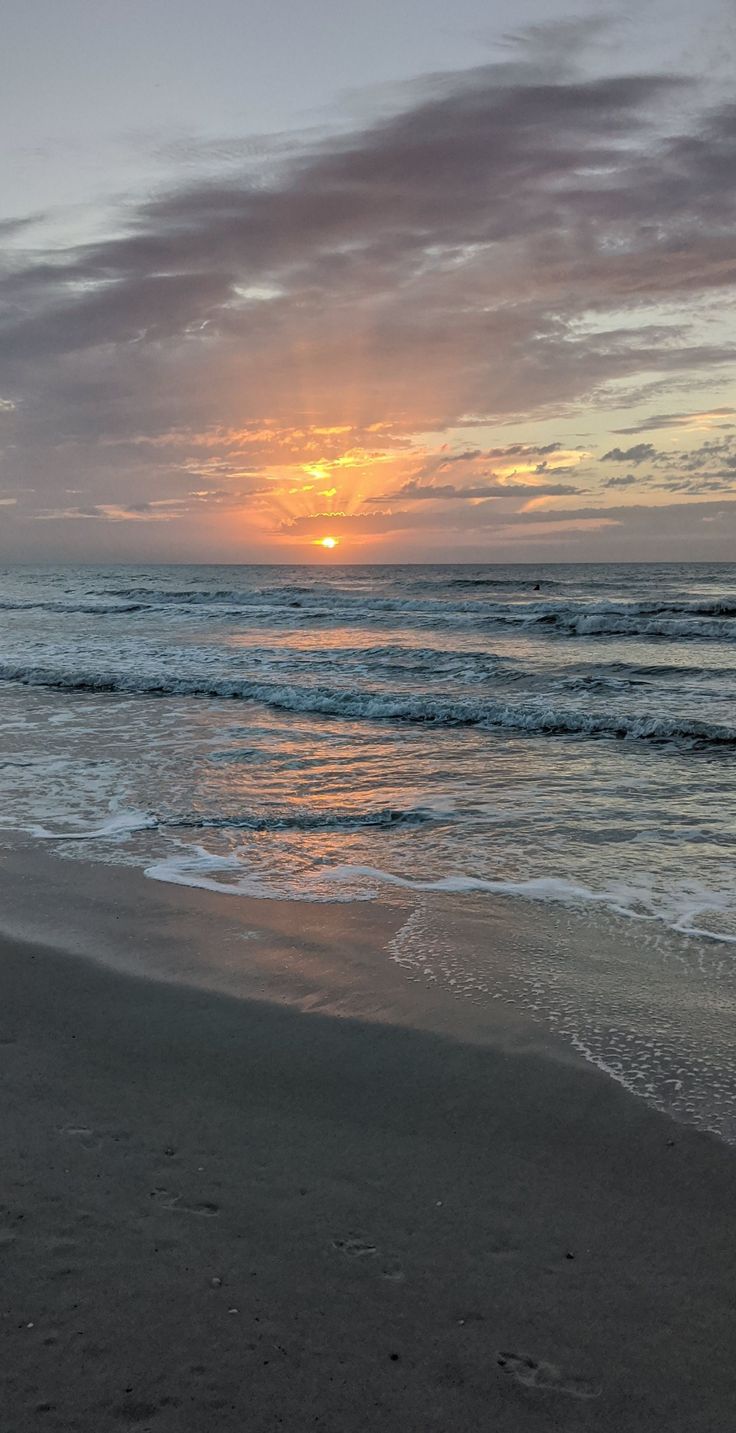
(677, 910)
(670, 1044)
(199, 867)
(121, 823)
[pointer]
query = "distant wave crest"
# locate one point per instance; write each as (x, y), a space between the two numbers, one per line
(473, 603)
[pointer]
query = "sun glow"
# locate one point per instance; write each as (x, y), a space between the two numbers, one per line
(327, 542)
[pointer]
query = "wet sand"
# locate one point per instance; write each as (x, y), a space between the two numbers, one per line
(232, 1212)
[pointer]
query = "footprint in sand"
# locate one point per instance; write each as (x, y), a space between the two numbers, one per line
(11, 1222)
(204, 1208)
(357, 1248)
(131, 1411)
(93, 1138)
(533, 1374)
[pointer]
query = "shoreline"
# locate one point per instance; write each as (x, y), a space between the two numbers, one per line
(629, 999)
(314, 956)
(390, 1211)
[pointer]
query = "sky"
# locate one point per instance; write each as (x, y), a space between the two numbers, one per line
(437, 283)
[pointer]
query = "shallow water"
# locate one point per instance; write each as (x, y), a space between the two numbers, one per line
(565, 735)
(568, 730)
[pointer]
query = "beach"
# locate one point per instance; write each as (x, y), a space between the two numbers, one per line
(367, 719)
(334, 1199)
(367, 999)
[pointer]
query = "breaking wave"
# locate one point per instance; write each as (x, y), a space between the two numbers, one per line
(531, 718)
(711, 621)
(92, 609)
(471, 603)
(125, 823)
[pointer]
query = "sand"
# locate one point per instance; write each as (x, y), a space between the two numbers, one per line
(228, 1212)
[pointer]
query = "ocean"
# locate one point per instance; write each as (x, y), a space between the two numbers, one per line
(559, 736)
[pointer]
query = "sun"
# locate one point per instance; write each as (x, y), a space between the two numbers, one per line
(327, 542)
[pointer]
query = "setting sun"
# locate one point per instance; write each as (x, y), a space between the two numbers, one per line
(327, 542)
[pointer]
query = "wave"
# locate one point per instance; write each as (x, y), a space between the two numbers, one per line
(214, 597)
(512, 584)
(125, 823)
(534, 718)
(682, 621)
(401, 662)
(384, 818)
(340, 598)
(57, 605)
(393, 655)
(679, 913)
(489, 602)
(227, 876)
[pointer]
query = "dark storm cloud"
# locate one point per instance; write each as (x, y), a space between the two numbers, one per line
(641, 453)
(428, 270)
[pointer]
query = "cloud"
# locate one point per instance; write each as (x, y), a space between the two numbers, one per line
(662, 522)
(525, 451)
(624, 481)
(10, 227)
(710, 419)
(103, 512)
(509, 242)
(726, 483)
(641, 453)
(441, 492)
